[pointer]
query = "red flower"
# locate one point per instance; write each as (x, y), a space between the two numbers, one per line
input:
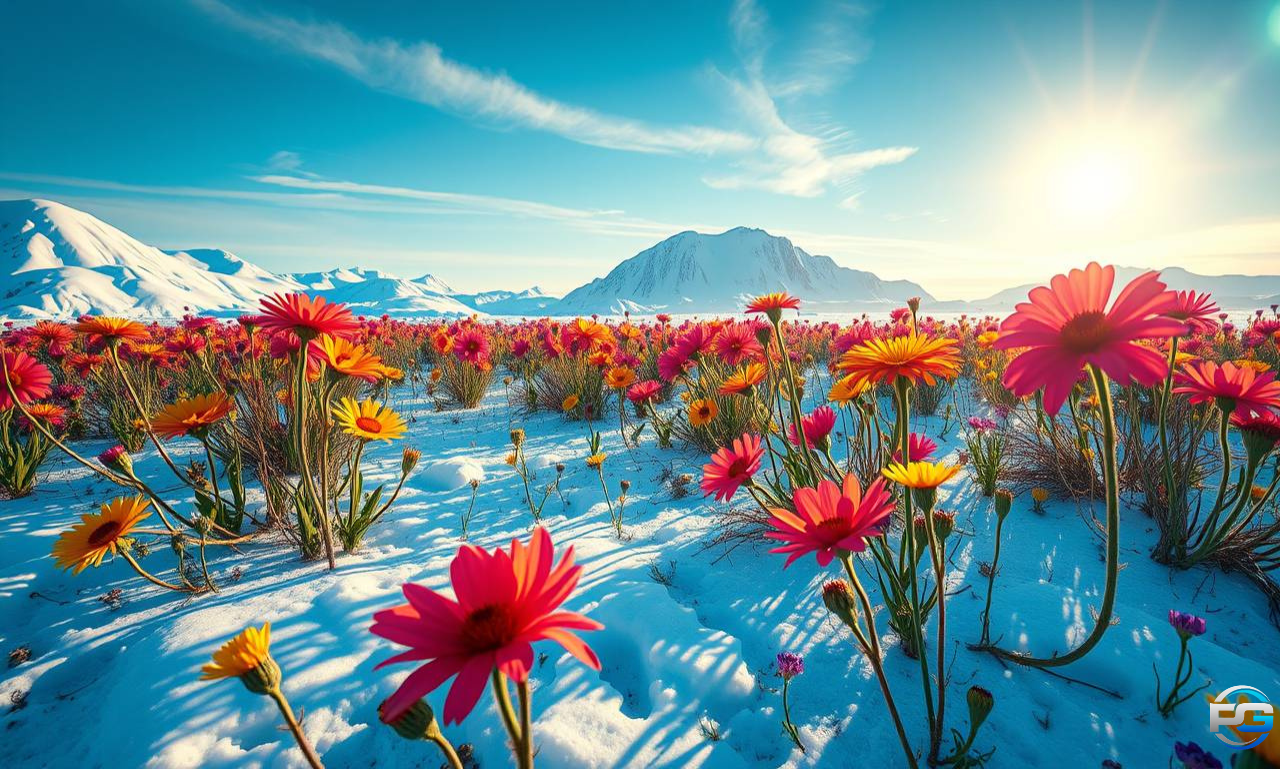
(831, 518)
(644, 391)
(1239, 389)
(732, 466)
(817, 426)
(1067, 325)
(920, 447)
(771, 303)
(737, 343)
(505, 602)
(471, 346)
(307, 317)
(1196, 310)
(29, 378)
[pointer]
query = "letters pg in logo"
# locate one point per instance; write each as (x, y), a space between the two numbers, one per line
(1241, 717)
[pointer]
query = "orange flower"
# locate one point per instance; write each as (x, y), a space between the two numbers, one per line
(743, 379)
(192, 415)
(569, 403)
(845, 390)
(619, 377)
(702, 411)
(349, 359)
(111, 330)
(913, 357)
(97, 534)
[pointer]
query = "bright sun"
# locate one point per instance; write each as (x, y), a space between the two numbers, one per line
(1093, 180)
(1086, 176)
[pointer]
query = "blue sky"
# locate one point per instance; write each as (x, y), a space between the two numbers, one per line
(967, 146)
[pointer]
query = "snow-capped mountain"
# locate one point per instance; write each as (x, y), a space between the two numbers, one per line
(374, 292)
(695, 272)
(530, 302)
(61, 262)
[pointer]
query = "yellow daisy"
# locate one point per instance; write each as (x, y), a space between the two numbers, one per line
(368, 420)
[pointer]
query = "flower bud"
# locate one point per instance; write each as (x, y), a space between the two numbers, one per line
(117, 458)
(943, 524)
(924, 497)
(517, 437)
(625, 485)
(262, 678)
(980, 704)
(838, 597)
(416, 723)
(1004, 502)
(409, 460)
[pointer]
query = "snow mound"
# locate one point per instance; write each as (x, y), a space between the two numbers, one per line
(447, 474)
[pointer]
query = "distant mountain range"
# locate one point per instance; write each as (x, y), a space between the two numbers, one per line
(63, 263)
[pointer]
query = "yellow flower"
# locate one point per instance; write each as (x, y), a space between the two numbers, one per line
(247, 657)
(1040, 494)
(921, 475)
(988, 338)
(596, 460)
(511, 459)
(702, 411)
(368, 420)
(569, 403)
(913, 357)
(97, 534)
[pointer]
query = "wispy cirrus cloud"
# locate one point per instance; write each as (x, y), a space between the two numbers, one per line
(793, 162)
(420, 71)
(767, 154)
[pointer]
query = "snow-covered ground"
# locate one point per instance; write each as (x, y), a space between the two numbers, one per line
(686, 678)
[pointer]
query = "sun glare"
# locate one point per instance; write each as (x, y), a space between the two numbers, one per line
(1091, 177)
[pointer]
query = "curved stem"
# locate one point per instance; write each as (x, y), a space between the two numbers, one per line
(153, 579)
(1109, 469)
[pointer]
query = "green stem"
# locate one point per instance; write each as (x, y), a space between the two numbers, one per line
(1109, 468)
(295, 728)
(870, 642)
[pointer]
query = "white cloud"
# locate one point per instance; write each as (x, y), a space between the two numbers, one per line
(792, 162)
(421, 71)
(772, 156)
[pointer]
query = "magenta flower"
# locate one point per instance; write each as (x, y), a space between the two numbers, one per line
(1187, 625)
(790, 665)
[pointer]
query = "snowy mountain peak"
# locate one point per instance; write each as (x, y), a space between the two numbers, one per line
(63, 262)
(693, 271)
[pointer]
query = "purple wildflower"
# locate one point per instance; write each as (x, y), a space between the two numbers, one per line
(1193, 756)
(1187, 625)
(790, 665)
(982, 424)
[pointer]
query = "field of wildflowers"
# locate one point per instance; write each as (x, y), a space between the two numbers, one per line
(757, 540)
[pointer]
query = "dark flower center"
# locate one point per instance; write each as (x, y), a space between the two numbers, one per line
(738, 467)
(1086, 332)
(104, 534)
(489, 627)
